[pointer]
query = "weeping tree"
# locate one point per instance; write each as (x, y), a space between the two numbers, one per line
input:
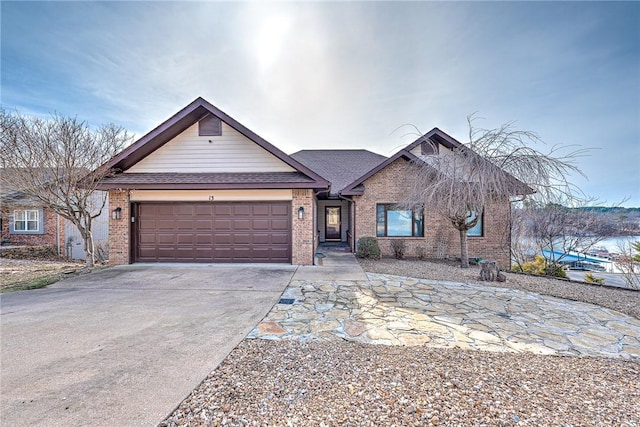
(458, 180)
(56, 161)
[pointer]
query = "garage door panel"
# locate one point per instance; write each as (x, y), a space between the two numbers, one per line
(279, 256)
(242, 210)
(213, 232)
(148, 238)
(261, 210)
(242, 224)
(165, 224)
(261, 224)
(280, 210)
(204, 210)
(184, 224)
(222, 224)
(261, 238)
(279, 239)
(280, 224)
(222, 239)
(242, 239)
(222, 209)
(167, 239)
(204, 239)
(186, 239)
(203, 225)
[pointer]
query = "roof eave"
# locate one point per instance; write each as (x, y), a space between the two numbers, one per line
(205, 186)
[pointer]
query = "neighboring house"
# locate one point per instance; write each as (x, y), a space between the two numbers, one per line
(25, 221)
(201, 187)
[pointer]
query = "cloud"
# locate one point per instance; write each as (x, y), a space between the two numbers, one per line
(332, 75)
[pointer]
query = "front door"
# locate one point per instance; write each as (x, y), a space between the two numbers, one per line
(332, 229)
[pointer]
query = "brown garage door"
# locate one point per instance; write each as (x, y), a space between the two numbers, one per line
(213, 232)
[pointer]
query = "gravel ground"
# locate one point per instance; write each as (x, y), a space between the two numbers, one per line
(301, 383)
(298, 383)
(623, 300)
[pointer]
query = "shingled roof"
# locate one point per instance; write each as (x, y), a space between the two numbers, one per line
(340, 167)
(194, 181)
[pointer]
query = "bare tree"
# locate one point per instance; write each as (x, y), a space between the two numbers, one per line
(628, 262)
(492, 167)
(562, 230)
(57, 161)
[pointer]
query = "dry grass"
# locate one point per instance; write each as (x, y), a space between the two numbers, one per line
(19, 274)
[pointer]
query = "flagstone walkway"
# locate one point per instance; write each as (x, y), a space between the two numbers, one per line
(394, 310)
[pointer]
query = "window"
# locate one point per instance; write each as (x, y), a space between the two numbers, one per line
(26, 220)
(393, 221)
(210, 126)
(476, 231)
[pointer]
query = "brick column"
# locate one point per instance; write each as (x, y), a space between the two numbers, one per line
(119, 229)
(302, 250)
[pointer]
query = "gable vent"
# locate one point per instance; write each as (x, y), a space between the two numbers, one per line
(429, 148)
(210, 126)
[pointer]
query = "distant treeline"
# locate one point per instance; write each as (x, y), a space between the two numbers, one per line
(613, 210)
(620, 220)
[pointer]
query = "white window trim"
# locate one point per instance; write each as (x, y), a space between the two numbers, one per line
(25, 213)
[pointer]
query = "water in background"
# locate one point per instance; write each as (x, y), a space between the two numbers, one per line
(613, 244)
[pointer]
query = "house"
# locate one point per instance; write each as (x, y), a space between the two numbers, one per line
(201, 187)
(25, 221)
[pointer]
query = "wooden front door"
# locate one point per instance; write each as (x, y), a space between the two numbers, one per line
(332, 227)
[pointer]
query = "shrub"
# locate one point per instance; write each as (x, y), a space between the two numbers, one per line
(398, 248)
(540, 267)
(590, 278)
(421, 253)
(368, 248)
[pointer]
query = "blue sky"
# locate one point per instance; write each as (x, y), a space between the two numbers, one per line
(343, 75)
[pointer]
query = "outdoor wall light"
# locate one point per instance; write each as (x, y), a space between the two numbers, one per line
(301, 212)
(116, 213)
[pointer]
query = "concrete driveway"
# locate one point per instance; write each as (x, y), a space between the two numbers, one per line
(125, 345)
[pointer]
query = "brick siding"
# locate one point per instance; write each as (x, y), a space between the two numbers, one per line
(51, 230)
(440, 239)
(119, 229)
(302, 247)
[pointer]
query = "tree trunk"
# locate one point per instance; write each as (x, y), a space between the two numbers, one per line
(89, 250)
(464, 252)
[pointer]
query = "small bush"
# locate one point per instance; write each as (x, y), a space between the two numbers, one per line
(540, 267)
(421, 253)
(368, 248)
(399, 247)
(590, 278)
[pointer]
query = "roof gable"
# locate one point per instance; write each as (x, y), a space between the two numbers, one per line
(408, 153)
(355, 188)
(188, 117)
